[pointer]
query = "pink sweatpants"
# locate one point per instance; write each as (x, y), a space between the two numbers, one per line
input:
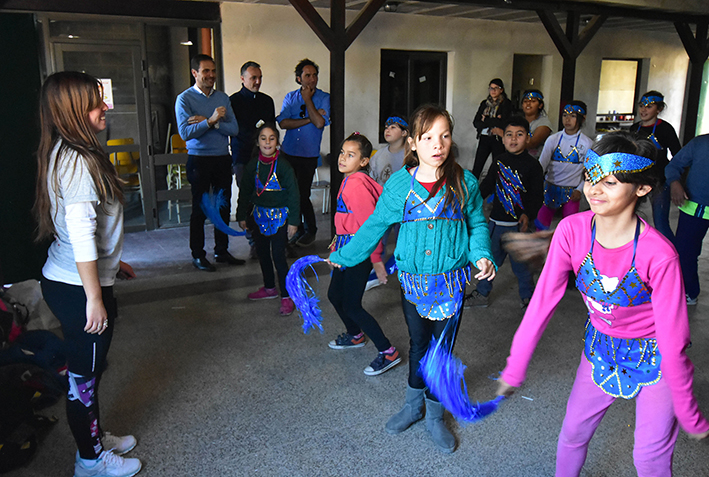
(656, 427)
(545, 214)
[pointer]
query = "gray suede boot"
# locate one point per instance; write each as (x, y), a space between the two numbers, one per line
(410, 413)
(442, 437)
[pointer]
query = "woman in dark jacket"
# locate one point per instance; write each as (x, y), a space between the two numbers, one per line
(489, 121)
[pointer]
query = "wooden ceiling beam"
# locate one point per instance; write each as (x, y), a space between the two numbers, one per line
(183, 10)
(362, 20)
(586, 8)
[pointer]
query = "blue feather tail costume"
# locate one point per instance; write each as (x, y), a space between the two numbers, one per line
(443, 373)
(211, 204)
(302, 294)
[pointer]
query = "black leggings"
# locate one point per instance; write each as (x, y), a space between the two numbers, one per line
(345, 293)
(421, 330)
(486, 145)
(265, 246)
(86, 358)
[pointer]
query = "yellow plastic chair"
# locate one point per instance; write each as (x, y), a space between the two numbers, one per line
(176, 173)
(127, 165)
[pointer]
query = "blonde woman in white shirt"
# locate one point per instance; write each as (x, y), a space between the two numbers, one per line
(80, 205)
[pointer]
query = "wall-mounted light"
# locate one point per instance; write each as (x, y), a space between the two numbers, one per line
(391, 6)
(186, 43)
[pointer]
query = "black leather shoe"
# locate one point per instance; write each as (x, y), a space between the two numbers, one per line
(203, 264)
(226, 257)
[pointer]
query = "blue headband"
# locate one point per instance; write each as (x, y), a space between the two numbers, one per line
(598, 167)
(650, 100)
(534, 95)
(570, 109)
(396, 120)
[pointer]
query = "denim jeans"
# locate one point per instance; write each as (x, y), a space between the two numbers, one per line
(690, 234)
(521, 271)
(661, 213)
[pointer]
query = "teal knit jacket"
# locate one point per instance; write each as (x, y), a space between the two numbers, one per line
(426, 246)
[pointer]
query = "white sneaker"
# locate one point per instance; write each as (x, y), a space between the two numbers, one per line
(107, 465)
(691, 301)
(117, 444)
(372, 284)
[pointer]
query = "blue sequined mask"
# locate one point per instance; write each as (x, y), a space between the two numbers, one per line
(598, 167)
(571, 109)
(650, 100)
(533, 95)
(396, 120)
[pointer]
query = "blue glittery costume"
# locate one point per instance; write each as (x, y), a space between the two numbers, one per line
(556, 196)
(653, 138)
(269, 219)
(436, 296)
(620, 366)
(508, 189)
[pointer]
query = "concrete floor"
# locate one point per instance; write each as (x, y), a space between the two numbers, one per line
(214, 385)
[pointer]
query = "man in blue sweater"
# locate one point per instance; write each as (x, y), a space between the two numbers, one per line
(693, 202)
(205, 121)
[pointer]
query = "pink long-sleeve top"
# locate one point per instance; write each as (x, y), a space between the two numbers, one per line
(360, 194)
(664, 318)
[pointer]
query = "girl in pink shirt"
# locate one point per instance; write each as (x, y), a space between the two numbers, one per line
(355, 203)
(637, 328)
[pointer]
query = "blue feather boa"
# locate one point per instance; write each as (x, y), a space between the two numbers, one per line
(443, 373)
(302, 294)
(211, 204)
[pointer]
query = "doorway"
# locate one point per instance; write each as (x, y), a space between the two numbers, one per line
(125, 137)
(527, 71)
(142, 67)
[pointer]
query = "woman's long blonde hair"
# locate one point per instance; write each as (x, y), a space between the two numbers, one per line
(66, 99)
(451, 173)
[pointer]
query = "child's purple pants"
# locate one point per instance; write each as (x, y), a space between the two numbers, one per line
(656, 427)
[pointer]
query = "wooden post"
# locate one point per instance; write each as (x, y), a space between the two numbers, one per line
(697, 48)
(570, 45)
(337, 39)
(337, 97)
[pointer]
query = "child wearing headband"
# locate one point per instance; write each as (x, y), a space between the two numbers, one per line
(390, 158)
(637, 328)
(562, 161)
(442, 236)
(356, 200)
(663, 137)
(269, 208)
(539, 125)
(384, 163)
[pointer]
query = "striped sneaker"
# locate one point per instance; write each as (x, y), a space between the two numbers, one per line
(346, 340)
(383, 362)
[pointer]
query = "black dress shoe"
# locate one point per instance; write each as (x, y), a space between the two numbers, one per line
(226, 257)
(203, 264)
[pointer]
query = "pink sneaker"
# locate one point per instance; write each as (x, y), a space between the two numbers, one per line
(287, 306)
(263, 293)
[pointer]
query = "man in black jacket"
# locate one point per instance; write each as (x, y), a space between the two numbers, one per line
(252, 108)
